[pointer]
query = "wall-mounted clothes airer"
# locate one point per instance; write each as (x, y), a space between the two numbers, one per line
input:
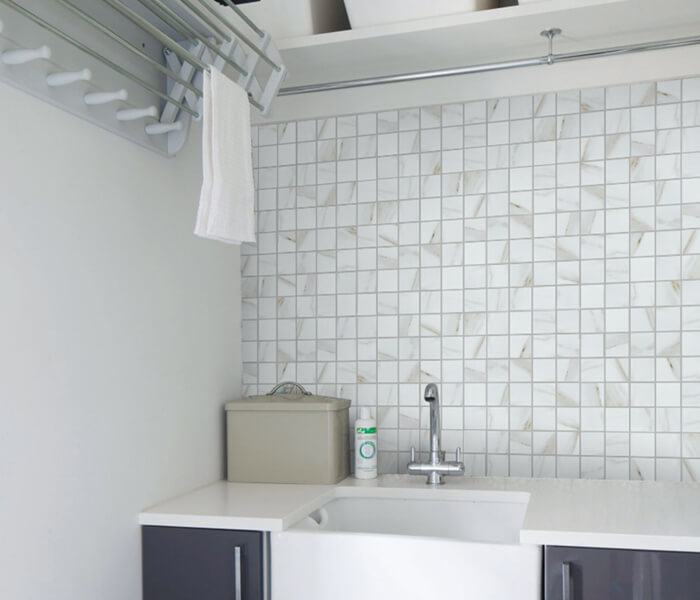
(135, 67)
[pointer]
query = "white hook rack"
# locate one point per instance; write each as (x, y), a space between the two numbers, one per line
(121, 86)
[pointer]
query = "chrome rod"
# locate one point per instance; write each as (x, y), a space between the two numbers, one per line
(241, 35)
(496, 66)
(245, 17)
(238, 574)
(255, 103)
(167, 41)
(629, 49)
(267, 583)
(381, 79)
(432, 396)
(161, 10)
(113, 36)
(436, 468)
(206, 20)
(174, 20)
(80, 46)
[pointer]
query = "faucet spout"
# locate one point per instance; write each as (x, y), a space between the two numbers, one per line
(431, 392)
(431, 395)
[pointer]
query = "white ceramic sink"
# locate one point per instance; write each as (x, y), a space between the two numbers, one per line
(459, 520)
(408, 544)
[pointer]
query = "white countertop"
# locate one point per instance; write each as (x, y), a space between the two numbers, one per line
(252, 506)
(561, 512)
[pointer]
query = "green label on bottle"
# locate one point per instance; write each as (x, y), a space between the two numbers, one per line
(366, 430)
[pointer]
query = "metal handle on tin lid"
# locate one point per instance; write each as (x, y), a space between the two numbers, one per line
(281, 388)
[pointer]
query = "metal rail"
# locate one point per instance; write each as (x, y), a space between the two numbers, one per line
(137, 51)
(495, 66)
(245, 18)
(244, 38)
(164, 39)
(168, 15)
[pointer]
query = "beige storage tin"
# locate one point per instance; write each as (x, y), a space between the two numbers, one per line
(288, 438)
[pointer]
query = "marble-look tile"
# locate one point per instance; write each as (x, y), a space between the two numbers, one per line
(538, 256)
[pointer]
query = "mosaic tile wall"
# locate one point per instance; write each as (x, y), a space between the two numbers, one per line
(538, 257)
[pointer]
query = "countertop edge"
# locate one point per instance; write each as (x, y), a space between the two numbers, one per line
(211, 522)
(617, 541)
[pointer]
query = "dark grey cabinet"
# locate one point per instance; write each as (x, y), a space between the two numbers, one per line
(182, 563)
(604, 574)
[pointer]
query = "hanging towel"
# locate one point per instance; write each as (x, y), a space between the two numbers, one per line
(227, 201)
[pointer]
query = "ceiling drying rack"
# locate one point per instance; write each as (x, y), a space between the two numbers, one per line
(549, 59)
(135, 67)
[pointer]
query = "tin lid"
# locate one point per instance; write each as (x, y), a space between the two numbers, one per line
(288, 403)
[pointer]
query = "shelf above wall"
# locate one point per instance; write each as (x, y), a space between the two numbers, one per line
(485, 36)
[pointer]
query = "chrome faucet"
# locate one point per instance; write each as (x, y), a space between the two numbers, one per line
(436, 467)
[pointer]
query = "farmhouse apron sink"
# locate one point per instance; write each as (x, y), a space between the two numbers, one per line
(409, 544)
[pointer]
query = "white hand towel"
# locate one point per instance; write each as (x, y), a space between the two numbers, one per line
(227, 201)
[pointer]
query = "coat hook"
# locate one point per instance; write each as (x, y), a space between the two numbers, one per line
(25, 55)
(96, 98)
(132, 114)
(550, 34)
(161, 128)
(68, 77)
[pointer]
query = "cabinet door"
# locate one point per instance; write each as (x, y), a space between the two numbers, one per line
(603, 574)
(201, 564)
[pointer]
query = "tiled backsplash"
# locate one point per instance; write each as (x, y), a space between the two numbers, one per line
(538, 257)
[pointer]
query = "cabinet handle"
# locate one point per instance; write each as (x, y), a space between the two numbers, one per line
(566, 582)
(237, 572)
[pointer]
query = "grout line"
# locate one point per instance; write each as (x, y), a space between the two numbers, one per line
(556, 283)
(487, 405)
(629, 287)
(680, 291)
(580, 295)
(655, 350)
(508, 300)
(277, 166)
(419, 141)
(532, 281)
(442, 266)
(356, 286)
(603, 399)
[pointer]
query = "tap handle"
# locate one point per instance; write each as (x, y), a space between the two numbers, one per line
(413, 454)
(458, 454)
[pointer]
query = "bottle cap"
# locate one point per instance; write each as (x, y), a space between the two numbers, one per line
(364, 413)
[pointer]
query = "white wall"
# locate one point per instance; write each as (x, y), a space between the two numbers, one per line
(119, 343)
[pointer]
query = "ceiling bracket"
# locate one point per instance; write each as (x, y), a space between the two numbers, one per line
(550, 34)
